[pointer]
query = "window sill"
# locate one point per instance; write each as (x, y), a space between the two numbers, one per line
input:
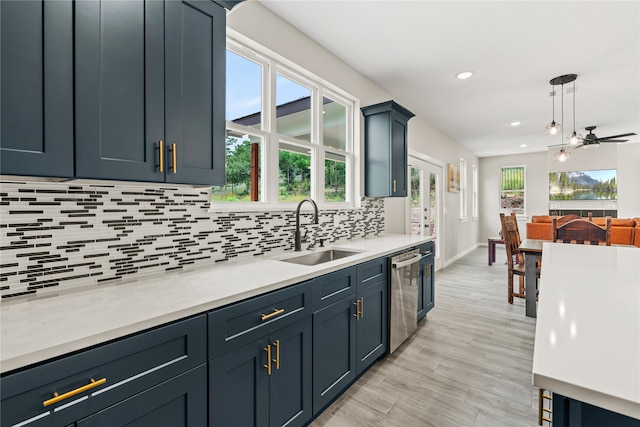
(463, 220)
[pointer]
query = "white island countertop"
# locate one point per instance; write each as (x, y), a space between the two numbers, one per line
(587, 344)
(34, 329)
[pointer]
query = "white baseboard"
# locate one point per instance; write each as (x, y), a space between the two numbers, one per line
(461, 254)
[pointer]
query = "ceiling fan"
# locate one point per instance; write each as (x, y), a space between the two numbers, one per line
(591, 139)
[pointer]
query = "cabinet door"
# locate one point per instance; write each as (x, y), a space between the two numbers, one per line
(119, 89)
(372, 325)
(429, 288)
(239, 387)
(334, 351)
(180, 401)
(36, 82)
(290, 382)
(398, 156)
(195, 44)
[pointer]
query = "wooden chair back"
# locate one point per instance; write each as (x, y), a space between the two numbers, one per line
(566, 218)
(511, 237)
(582, 231)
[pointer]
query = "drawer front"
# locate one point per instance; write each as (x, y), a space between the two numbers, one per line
(371, 273)
(238, 324)
(427, 247)
(94, 379)
(333, 287)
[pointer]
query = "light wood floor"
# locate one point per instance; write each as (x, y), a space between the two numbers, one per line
(469, 363)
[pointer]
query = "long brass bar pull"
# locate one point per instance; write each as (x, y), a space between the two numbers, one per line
(58, 397)
(161, 156)
(277, 359)
(268, 365)
(362, 307)
(394, 185)
(357, 314)
(174, 158)
(275, 313)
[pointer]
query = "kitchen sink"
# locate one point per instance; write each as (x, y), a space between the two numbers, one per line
(319, 257)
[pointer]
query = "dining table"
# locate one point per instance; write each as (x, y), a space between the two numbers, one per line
(532, 250)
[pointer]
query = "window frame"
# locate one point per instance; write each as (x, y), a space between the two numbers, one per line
(475, 209)
(524, 191)
(272, 65)
(463, 191)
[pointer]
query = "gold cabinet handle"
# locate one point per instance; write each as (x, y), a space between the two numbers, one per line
(268, 365)
(161, 155)
(394, 185)
(58, 397)
(174, 158)
(275, 313)
(357, 304)
(277, 359)
(362, 307)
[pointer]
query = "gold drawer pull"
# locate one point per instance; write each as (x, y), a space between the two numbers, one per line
(394, 185)
(161, 155)
(58, 397)
(268, 365)
(277, 359)
(275, 313)
(174, 158)
(362, 307)
(357, 314)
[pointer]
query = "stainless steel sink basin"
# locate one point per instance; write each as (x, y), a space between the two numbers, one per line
(319, 257)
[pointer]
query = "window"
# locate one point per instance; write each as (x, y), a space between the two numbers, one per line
(474, 196)
(512, 189)
(463, 189)
(289, 135)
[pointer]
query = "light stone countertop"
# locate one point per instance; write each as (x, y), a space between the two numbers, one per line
(587, 344)
(37, 328)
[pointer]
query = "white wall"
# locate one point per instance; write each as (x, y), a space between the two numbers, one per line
(623, 157)
(253, 21)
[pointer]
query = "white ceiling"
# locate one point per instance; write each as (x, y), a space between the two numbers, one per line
(414, 49)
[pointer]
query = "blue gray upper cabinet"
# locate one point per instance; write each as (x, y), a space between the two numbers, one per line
(149, 91)
(36, 80)
(385, 149)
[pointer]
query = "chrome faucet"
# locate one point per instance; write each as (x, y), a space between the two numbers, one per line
(298, 245)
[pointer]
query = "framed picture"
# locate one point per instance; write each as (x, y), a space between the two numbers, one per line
(454, 178)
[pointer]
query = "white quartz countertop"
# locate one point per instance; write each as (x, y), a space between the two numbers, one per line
(587, 344)
(34, 329)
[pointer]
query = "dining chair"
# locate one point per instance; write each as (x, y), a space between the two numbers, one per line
(582, 231)
(515, 258)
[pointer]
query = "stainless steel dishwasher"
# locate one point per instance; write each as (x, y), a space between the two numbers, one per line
(403, 304)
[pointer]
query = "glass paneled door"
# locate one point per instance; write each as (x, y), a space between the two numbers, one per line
(425, 203)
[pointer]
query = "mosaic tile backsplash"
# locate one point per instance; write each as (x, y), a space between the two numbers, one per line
(64, 235)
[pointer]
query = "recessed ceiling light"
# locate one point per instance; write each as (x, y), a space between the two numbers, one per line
(464, 75)
(523, 145)
(515, 123)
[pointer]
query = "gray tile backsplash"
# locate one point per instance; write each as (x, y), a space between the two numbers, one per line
(63, 235)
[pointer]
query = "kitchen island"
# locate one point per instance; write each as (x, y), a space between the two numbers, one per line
(587, 343)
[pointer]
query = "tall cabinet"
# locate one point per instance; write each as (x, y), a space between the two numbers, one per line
(385, 149)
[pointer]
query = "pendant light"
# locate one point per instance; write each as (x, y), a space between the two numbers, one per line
(562, 155)
(574, 138)
(553, 128)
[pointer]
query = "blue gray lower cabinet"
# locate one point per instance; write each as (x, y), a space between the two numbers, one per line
(569, 412)
(426, 288)
(350, 334)
(179, 402)
(273, 360)
(122, 370)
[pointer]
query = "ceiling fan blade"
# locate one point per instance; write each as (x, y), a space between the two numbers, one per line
(613, 140)
(616, 136)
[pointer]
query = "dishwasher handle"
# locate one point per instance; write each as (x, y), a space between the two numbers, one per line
(410, 261)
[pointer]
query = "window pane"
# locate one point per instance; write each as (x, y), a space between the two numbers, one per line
(244, 91)
(243, 170)
(512, 189)
(293, 109)
(335, 177)
(334, 124)
(295, 172)
(416, 220)
(433, 212)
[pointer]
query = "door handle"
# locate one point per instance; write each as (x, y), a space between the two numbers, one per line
(277, 359)
(268, 365)
(161, 156)
(174, 158)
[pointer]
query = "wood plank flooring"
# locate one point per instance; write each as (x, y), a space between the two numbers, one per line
(469, 363)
